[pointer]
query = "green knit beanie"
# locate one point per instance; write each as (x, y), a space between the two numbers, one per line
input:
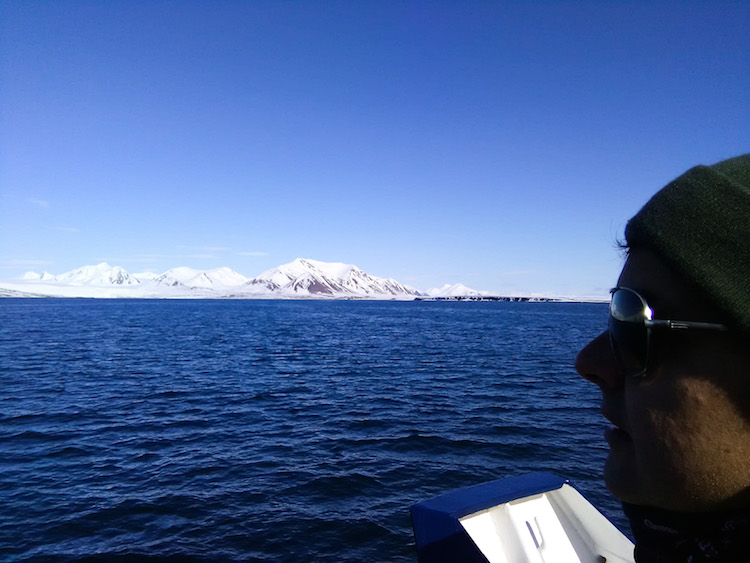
(699, 224)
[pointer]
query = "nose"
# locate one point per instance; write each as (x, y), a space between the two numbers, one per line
(596, 363)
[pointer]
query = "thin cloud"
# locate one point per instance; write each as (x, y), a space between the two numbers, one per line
(25, 262)
(213, 249)
(202, 256)
(43, 203)
(28, 262)
(145, 258)
(154, 258)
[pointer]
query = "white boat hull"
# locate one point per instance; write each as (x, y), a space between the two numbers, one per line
(537, 518)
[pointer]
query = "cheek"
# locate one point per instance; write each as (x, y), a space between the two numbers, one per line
(682, 434)
(668, 430)
(662, 428)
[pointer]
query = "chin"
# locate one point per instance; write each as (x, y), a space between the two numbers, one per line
(621, 478)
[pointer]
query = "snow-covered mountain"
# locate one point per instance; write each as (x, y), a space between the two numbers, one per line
(301, 278)
(304, 277)
(218, 278)
(33, 276)
(100, 275)
(455, 290)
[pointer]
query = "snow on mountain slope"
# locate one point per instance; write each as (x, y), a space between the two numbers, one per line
(454, 290)
(218, 278)
(176, 276)
(311, 277)
(145, 276)
(301, 278)
(101, 274)
(226, 277)
(286, 274)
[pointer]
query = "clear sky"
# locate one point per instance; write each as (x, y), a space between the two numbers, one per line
(502, 145)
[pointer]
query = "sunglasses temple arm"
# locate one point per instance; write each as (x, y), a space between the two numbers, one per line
(656, 323)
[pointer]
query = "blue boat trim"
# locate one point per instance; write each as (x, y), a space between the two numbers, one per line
(437, 530)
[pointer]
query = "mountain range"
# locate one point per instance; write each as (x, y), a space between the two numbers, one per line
(301, 278)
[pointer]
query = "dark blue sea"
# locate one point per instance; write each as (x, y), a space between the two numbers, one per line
(277, 430)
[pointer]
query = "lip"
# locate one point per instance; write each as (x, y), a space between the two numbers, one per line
(614, 433)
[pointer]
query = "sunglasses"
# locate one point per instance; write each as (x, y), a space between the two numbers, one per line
(630, 324)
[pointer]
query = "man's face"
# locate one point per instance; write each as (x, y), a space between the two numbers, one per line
(681, 435)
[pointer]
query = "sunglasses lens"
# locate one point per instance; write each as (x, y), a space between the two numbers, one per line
(627, 331)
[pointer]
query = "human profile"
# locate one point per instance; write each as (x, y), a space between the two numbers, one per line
(674, 369)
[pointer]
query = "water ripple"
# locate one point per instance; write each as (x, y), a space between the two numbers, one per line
(252, 430)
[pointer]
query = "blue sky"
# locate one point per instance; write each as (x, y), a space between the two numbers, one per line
(502, 145)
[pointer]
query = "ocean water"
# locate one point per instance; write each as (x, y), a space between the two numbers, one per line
(277, 430)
